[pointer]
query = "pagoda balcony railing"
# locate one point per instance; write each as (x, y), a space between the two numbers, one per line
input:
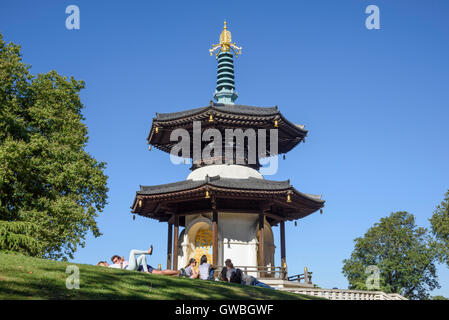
(306, 277)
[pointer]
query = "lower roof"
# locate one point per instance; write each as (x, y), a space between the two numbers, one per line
(277, 198)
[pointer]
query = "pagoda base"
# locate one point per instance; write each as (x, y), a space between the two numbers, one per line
(237, 239)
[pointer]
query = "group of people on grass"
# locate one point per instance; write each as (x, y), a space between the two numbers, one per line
(138, 262)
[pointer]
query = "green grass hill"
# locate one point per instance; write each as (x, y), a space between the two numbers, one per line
(24, 277)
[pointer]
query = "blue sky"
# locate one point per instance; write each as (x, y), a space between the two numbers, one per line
(375, 103)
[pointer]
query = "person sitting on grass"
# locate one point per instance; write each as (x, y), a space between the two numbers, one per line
(232, 274)
(205, 270)
(189, 270)
(237, 276)
(137, 264)
(223, 274)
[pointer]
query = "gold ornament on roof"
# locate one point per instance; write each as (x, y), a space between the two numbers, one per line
(225, 44)
(289, 197)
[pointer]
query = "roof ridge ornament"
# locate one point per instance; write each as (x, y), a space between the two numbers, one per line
(225, 44)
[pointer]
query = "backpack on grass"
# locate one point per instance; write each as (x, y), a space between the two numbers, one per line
(236, 276)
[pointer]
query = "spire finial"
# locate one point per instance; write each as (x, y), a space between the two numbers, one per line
(225, 90)
(226, 43)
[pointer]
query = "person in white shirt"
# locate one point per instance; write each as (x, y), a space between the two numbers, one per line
(137, 264)
(205, 270)
(133, 263)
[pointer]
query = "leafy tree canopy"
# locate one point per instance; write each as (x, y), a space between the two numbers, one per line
(439, 298)
(404, 254)
(440, 227)
(51, 189)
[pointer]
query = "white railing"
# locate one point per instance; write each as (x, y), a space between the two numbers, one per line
(337, 294)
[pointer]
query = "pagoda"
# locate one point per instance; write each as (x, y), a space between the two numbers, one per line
(225, 205)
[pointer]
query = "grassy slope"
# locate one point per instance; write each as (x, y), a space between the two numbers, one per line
(31, 278)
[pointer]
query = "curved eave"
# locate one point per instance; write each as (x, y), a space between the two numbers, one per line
(189, 191)
(230, 116)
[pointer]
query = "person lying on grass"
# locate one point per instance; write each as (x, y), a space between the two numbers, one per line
(133, 263)
(137, 264)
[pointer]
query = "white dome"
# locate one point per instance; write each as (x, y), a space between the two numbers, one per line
(224, 171)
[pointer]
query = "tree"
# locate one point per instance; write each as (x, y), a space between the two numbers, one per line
(439, 298)
(440, 227)
(51, 189)
(404, 254)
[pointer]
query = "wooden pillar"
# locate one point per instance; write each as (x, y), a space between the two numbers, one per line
(169, 244)
(283, 258)
(215, 237)
(261, 261)
(175, 243)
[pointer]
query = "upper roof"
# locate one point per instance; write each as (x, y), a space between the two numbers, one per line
(225, 116)
(227, 108)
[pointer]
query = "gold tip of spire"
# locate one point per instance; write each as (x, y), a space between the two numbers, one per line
(226, 43)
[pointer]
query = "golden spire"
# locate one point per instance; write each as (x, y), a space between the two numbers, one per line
(225, 43)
